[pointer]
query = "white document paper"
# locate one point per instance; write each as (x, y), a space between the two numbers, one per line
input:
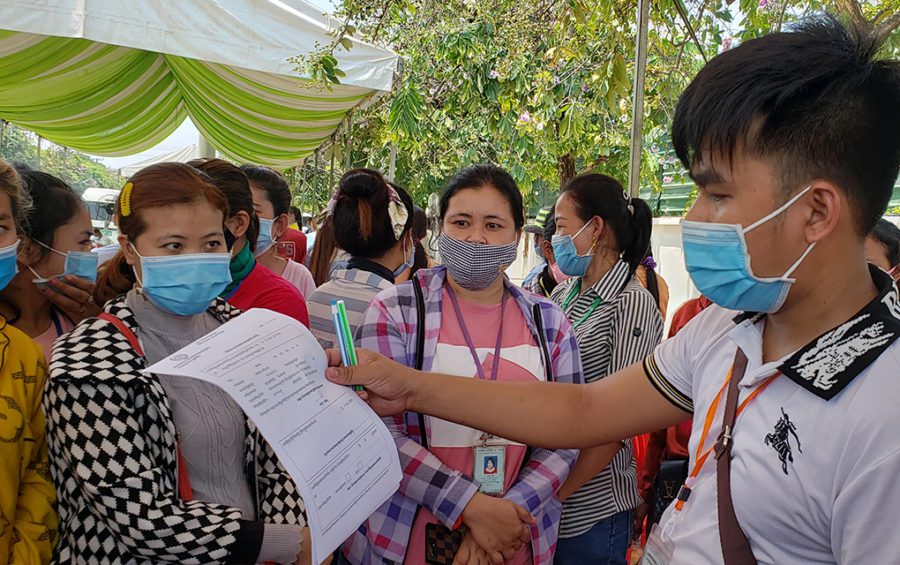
(338, 451)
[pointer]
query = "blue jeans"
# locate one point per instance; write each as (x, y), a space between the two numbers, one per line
(604, 544)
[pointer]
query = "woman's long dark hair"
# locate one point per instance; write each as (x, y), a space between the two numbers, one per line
(630, 218)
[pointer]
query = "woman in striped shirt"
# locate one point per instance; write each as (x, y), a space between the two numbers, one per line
(601, 237)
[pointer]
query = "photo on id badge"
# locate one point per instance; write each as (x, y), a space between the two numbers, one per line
(488, 468)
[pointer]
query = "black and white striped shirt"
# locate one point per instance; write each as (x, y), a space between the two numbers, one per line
(617, 323)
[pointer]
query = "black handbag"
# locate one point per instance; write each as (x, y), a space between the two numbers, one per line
(672, 474)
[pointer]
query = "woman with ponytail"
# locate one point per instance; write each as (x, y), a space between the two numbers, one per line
(601, 238)
(156, 468)
(372, 220)
(252, 284)
(54, 287)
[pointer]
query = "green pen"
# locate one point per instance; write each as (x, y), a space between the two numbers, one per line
(347, 335)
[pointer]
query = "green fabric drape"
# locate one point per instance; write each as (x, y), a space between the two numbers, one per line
(114, 101)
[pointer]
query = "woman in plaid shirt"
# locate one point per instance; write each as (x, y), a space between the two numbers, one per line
(501, 496)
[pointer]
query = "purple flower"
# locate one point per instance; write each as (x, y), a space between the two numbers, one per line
(525, 117)
(763, 4)
(585, 88)
(667, 179)
(726, 43)
(494, 74)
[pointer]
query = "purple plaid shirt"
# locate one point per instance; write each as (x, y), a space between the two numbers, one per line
(390, 327)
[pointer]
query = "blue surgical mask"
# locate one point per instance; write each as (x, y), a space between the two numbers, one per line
(82, 264)
(567, 257)
(264, 242)
(718, 262)
(410, 259)
(184, 285)
(8, 265)
(79, 263)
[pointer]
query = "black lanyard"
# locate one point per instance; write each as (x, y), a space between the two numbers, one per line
(465, 332)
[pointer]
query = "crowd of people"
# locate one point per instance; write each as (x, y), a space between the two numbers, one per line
(517, 410)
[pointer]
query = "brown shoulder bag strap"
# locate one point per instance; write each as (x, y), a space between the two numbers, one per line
(735, 547)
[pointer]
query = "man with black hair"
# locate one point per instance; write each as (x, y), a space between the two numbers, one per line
(791, 375)
(550, 275)
(883, 247)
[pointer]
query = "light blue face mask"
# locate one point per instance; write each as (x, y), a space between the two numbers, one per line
(82, 264)
(411, 258)
(717, 260)
(264, 241)
(8, 265)
(184, 285)
(79, 263)
(567, 257)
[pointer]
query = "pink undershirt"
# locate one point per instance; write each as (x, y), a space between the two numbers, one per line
(520, 360)
(46, 339)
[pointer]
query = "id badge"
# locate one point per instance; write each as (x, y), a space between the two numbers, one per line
(657, 551)
(490, 468)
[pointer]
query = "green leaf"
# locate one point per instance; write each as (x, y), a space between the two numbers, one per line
(620, 74)
(406, 111)
(346, 43)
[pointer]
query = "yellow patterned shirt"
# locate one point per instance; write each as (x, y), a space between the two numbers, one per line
(27, 498)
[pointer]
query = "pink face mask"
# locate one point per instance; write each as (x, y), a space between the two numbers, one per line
(557, 273)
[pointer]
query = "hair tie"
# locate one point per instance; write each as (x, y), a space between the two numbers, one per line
(630, 205)
(329, 209)
(125, 199)
(648, 262)
(397, 212)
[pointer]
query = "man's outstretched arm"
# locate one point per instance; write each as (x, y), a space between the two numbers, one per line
(550, 415)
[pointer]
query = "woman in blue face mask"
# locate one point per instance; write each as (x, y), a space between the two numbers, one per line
(466, 318)
(252, 284)
(27, 498)
(601, 238)
(272, 202)
(198, 478)
(53, 289)
(372, 220)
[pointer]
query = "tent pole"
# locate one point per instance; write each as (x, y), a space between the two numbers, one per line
(317, 177)
(637, 108)
(347, 147)
(392, 163)
(333, 187)
(205, 147)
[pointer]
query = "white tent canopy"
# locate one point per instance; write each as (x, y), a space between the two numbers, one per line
(182, 155)
(115, 77)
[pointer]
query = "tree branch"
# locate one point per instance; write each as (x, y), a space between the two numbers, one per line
(852, 9)
(384, 13)
(597, 162)
(784, 6)
(886, 28)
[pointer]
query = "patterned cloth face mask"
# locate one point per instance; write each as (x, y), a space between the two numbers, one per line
(475, 266)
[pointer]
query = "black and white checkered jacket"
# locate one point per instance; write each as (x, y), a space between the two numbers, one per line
(113, 459)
